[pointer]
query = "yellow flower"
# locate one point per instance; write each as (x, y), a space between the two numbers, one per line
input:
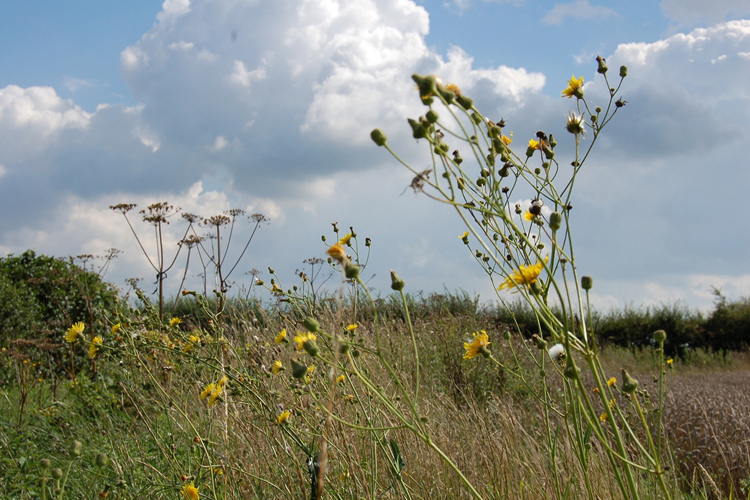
(277, 366)
(116, 328)
(281, 337)
(217, 391)
(611, 403)
(507, 140)
(283, 418)
(534, 144)
(349, 398)
(302, 338)
(670, 361)
(351, 328)
(346, 239)
(528, 216)
(453, 88)
(478, 346)
(74, 331)
(337, 252)
(94, 346)
(340, 378)
(611, 381)
(465, 235)
(575, 87)
(175, 321)
(603, 417)
(190, 492)
(524, 276)
(208, 390)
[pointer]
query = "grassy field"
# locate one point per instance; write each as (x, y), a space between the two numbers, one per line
(145, 432)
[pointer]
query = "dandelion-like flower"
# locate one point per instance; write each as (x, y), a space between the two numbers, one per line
(277, 366)
(612, 381)
(281, 337)
(116, 328)
(214, 396)
(352, 327)
(175, 321)
(534, 144)
(556, 351)
(528, 216)
(603, 417)
(190, 492)
(283, 418)
(94, 346)
(340, 379)
(575, 88)
(74, 332)
(303, 338)
(478, 346)
(208, 390)
(337, 252)
(346, 239)
(525, 275)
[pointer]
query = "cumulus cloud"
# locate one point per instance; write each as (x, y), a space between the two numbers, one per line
(580, 9)
(698, 11)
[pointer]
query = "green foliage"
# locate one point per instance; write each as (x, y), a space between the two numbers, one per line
(20, 311)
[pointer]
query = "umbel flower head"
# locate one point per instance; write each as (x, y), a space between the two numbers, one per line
(478, 346)
(575, 88)
(525, 275)
(74, 332)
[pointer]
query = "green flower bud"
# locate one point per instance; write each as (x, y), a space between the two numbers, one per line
(298, 369)
(57, 473)
(351, 270)
(76, 449)
(602, 69)
(476, 118)
(427, 85)
(456, 158)
(660, 336)
(629, 384)
(571, 372)
(396, 282)
(552, 141)
(536, 288)
(555, 220)
(587, 282)
(461, 183)
(45, 463)
(432, 116)
(548, 153)
(530, 152)
(506, 334)
(504, 172)
(344, 348)
(356, 353)
(481, 181)
(623, 71)
(311, 324)
(101, 459)
(465, 102)
(378, 137)
(541, 344)
(311, 348)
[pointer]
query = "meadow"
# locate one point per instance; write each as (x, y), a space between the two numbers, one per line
(346, 392)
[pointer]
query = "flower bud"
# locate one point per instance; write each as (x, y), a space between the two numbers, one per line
(506, 334)
(298, 369)
(465, 102)
(431, 116)
(555, 221)
(602, 69)
(461, 183)
(629, 384)
(623, 71)
(57, 473)
(541, 344)
(481, 181)
(587, 282)
(378, 137)
(311, 324)
(552, 142)
(76, 449)
(504, 172)
(418, 130)
(396, 282)
(660, 336)
(351, 270)
(476, 118)
(101, 459)
(45, 463)
(571, 372)
(311, 348)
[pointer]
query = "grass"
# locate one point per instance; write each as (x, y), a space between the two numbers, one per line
(141, 408)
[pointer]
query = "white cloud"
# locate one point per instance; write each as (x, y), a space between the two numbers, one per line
(580, 9)
(173, 8)
(74, 84)
(700, 11)
(243, 77)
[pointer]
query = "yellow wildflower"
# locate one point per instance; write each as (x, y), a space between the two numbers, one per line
(217, 391)
(351, 328)
(281, 337)
(340, 379)
(526, 275)
(208, 390)
(349, 398)
(116, 328)
(337, 252)
(346, 239)
(464, 236)
(94, 346)
(528, 216)
(611, 403)
(670, 361)
(175, 321)
(534, 144)
(611, 381)
(478, 346)
(507, 140)
(603, 417)
(453, 88)
(74, 331)
(302, 338)
(575, 87)
(277, 366)
(190, 492)
(283, 418)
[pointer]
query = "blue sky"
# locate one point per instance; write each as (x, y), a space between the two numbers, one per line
(267, 106)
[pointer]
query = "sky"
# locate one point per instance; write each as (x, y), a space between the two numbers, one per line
(267, 107)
